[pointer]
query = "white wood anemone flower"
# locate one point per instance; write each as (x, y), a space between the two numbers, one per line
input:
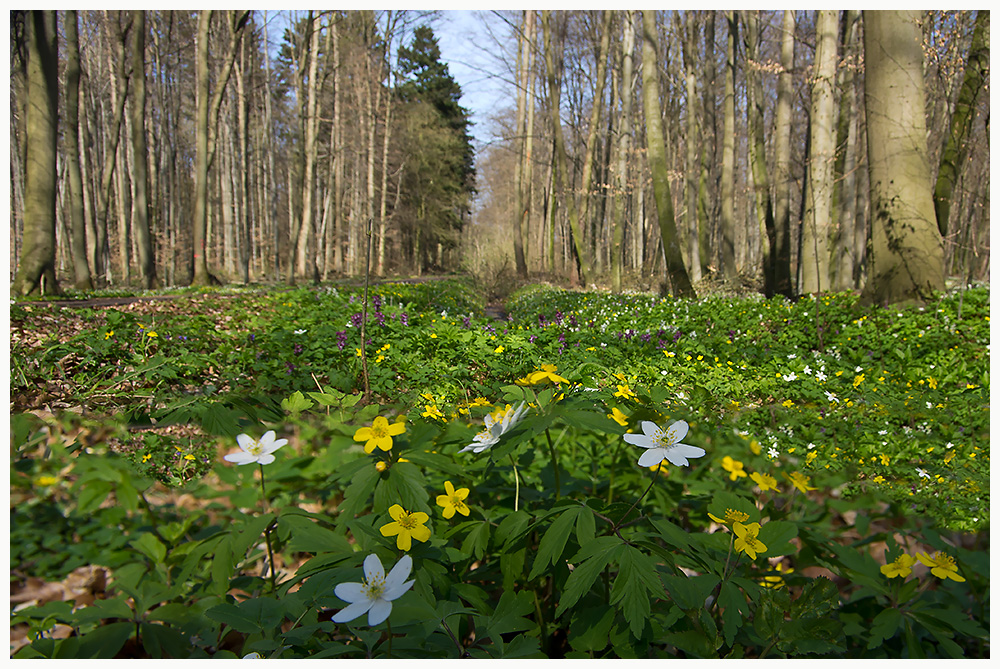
(256, 450)
(374, 596)
(664, 444)
(497, 424)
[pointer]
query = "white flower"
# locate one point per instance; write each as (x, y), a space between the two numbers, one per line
(374, 596)
(830, 397)
(300, 332)
(922, 473)
(254, 450)
(807, 370)
(497, 424)
(664, 444)
(772, 452)
(791, 356)
(820, 376)
(790, 376)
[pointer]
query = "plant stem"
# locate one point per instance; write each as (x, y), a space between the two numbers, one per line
(517, 483)
(555, 465)
(636, 502)
(267, 530)
(461, 649)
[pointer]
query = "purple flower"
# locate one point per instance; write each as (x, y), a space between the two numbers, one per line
(341, 339)
(404, 319)
(377, 301)
(356, 319)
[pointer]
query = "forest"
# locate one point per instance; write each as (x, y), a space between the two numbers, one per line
(778, 151)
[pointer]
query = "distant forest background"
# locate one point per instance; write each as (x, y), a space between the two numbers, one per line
(788, 152)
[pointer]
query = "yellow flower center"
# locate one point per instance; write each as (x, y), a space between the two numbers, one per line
(732, 515)
(373, 589)
(255, 448)
(408, 522)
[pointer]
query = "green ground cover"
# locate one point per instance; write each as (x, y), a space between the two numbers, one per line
(840, 506)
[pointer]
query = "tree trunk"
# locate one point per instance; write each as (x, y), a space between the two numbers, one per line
(815, 260)
(205, 122)
(781, 251)
(597, 103)
(78, 223)
(690, 28)
(140, 206)
(524, 44)
(560, 151)
(727, 199)
(758, 155)
(657, 156)
(36, 264)
(305, 261)
(953, 156)
(907, 261)
(842, 256)
(624, 137)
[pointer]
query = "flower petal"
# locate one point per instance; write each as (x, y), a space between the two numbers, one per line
(680, 453)
(653, 456)
(397, 591)
(421, 533)
(352, 611)
(391, 529)
(396, 512)
(265, 459)
(399, 573)
(678, 430)
(245, 441)
(379, 611)
(350, 592)
(650, 429)
(240, 458)
(373, 568)
(639, 440)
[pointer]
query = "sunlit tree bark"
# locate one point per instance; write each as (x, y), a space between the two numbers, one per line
(140, 202)
(781, 252)
(78, 223)
(907, 260)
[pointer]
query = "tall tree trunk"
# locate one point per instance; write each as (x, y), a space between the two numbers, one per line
(690, 48)
(206, 121)
(624, 137)
(953, 155)
(842, 257)
(727, 223)
(781, 251)
(758, 155)
(562, 171)
(707, 179)
(140, 203)
(305, 260)
(907, 262)
(815, 260)
(596, 107)
(524, 46)
(36, 264)
(78, 223)
(656, 154)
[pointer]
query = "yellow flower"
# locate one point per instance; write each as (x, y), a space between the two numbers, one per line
(46, 481)
(858, 380)
(670, 354)
(775, 582)
(147, 457)
(431, 411)
(884, 458)
(406, 526)
(879, 479)
(479, 402)
(800, 481)
(732, 516)
(932, 382)
(189, 457)
(617, 416)
(788, 404)
(433, 336)
(755, 446)
(380, 466)
(810, 456)
(625, 393)
(379, 435)
(948, 458)
(765, 482)
(109, 334)
(358, 352)
(942, 565)
(453, 500)
(734, 467)
(152, 334)
(546, 373)
(498, 349)
(747, 541)
(901, 566)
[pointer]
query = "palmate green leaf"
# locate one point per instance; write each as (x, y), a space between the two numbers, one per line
(477, 540)
(262, 614)
(509, 615)
(777, 536)
(512, 528)
(160, 641)
(104, 642)
(359, 492)
(308, 536)
(690, 592)
(590, 561)
(401, 484)
(637, 580)
(884, 627)
(553, 542)
(734, 609)
(151, 547)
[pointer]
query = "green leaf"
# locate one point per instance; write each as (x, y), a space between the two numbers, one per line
(509, 615)
(636, 581)
(585, 526)
(590, 629)
(693, 643)
(250, 616)
(160, 641)
(884, 627)
(296, 403)
(92, 495)
(690, 592)
(818, 598)
(477, 540)
(104, 642)
(360, 490)
(512, 528)
(777, 536)
(734, 609)
(672, 534)
(553, 542)
(151, 547)
(308, 536)
(593, 558)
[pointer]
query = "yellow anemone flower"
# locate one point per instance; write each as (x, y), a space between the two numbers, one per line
(453, 500)
(406, 526)
(380, 434)
(901, 566)
(746, 539)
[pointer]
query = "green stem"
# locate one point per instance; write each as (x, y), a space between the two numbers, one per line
(555, 465)
(389, 626)
(636, 502)
(267, 530)
(517, 484)
(461, 649)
